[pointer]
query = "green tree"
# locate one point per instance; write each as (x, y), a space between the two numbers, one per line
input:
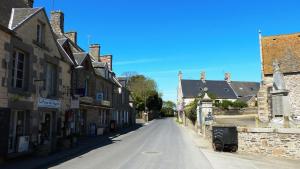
(141, 88)
(154, 102)
(168, 109)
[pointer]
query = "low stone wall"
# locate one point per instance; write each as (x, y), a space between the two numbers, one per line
(283, 142)
(243, 111)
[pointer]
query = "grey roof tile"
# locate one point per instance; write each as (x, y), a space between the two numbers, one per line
(80, 57)
(221, 89)
(244, 89)
(20, 15)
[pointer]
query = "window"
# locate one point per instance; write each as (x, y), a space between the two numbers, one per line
(39, 30)
(51, 79)
(86, 87)
(18, 69)
(226, 90)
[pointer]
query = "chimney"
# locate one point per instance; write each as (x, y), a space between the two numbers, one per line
(203, 76)
(95, 51)
(227, 77)
(29, 3)
(180, 75)
(107, 59)
(72, 36)
(57, 22)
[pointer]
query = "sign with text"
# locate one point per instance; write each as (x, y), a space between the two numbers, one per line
(48, 103)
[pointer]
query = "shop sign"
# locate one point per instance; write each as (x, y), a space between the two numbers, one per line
(48, 103)
(86, 99)
(105, 103)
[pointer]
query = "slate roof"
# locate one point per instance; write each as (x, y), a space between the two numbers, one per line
(246, 98)
(123, 81)
(244, 89)
(283, 48)
(20, 15)
(68, 58)
(99, 64)
(221, 89)
(80, 57)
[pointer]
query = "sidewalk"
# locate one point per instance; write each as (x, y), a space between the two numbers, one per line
(84, 145)
(238, 159)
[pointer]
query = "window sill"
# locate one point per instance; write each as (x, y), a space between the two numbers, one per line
(41, 45)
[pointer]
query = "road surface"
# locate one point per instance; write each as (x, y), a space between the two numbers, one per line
(163, 144)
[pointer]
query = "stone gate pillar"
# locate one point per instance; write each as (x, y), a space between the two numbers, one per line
(204, 112)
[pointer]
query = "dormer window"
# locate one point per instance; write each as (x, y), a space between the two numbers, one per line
(226, 89)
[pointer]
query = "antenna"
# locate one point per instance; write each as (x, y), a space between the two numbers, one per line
(89, 38)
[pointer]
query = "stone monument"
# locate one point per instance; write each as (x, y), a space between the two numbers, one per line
(280, 102)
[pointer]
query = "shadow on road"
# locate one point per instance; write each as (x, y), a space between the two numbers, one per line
(84, 146)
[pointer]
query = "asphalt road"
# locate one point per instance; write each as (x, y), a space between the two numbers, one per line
(161, 144)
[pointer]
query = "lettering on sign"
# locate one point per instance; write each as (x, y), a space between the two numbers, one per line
(48, 103)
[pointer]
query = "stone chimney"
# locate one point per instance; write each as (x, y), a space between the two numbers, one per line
(227, 77)
(203, 76)
(180, 75)
(29, 3)
(57, 22)
(72, 36)
(107, 59)
(95, 51)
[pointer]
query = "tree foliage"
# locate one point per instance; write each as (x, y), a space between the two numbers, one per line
(141, 88)
(154, 102)
(191, 110)
(226, 104)
(168, 109)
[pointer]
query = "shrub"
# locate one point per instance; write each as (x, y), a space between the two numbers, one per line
(191, 110)
(239, 104)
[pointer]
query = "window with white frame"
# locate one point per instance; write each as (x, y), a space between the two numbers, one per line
(18, 69)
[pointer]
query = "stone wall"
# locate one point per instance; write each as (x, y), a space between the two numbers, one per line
(284, 142)
(292, 83)
(4, 38)
(243, 111)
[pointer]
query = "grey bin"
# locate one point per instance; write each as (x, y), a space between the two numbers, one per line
(225, 138)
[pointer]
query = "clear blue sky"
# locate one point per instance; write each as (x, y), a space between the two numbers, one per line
(158, 38)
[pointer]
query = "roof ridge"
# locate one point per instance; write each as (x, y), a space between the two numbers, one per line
(278, 35)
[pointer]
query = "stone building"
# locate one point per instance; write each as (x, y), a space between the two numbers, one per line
(5, 39)
(123, 111)
(285, 51)
(37, 75)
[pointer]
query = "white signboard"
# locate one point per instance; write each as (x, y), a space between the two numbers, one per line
(48, 103)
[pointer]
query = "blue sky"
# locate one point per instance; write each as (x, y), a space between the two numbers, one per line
(158, 38)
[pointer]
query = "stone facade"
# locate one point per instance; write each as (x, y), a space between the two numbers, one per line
(264, 98)
(5, 38)
(284, 143)
(292, 82)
